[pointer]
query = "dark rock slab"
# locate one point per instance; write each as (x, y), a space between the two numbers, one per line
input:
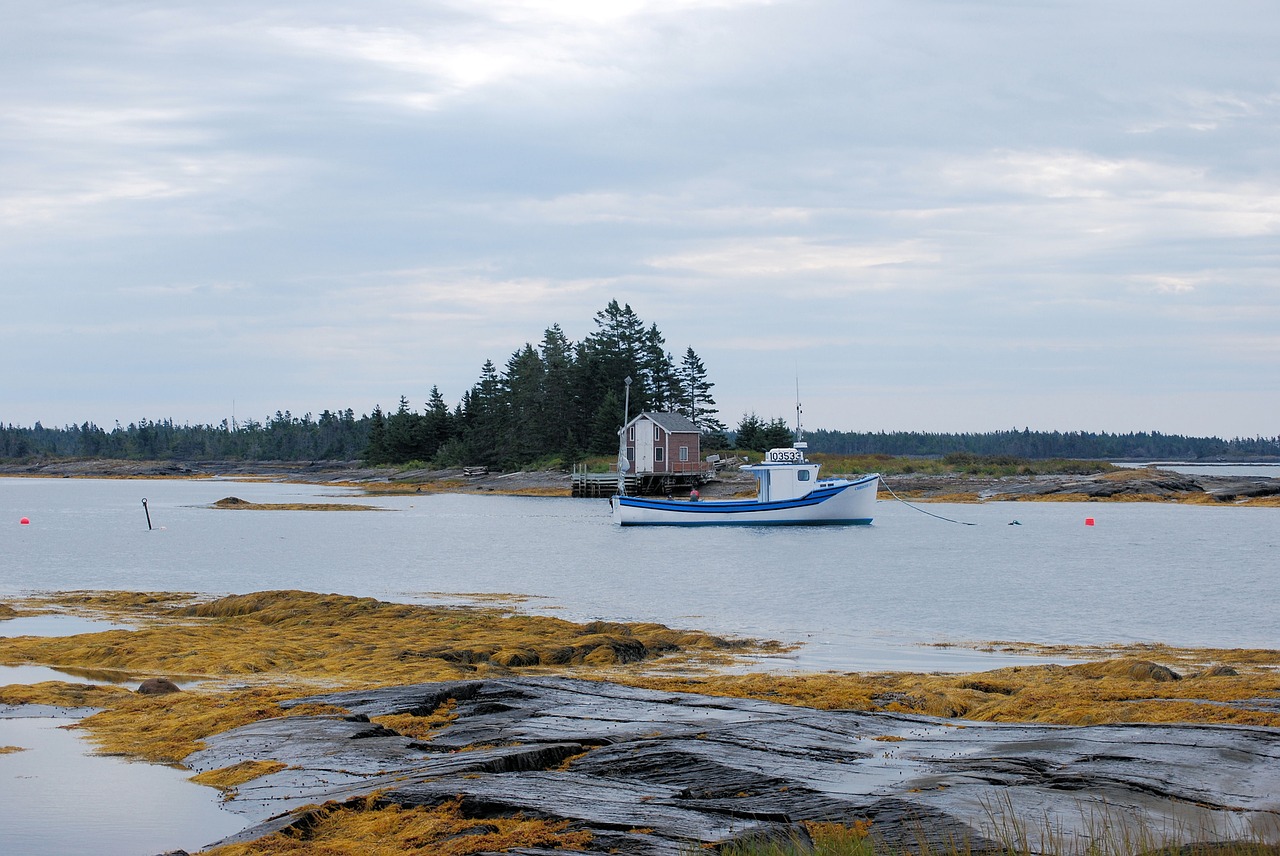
(653, 772)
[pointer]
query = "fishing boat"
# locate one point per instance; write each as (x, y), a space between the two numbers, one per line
(789, 493)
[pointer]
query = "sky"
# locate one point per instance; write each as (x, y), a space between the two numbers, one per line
(970, 215)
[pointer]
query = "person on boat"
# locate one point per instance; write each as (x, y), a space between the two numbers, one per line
(693, 495)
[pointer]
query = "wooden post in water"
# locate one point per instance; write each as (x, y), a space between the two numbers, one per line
(147, 510)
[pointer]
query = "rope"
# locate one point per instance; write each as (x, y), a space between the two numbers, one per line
(921, 510)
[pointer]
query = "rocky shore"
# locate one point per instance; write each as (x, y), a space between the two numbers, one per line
(662, 773)
(1125, 485)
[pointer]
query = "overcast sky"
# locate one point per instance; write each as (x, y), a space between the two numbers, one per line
(938, 216)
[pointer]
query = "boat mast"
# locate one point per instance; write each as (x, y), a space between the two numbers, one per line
(799, 443)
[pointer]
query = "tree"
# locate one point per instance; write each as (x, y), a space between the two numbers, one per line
(610, 354)
(556, 433)
(695, 399)
(605, 424)
(524, 411)
(483, 417)
(776, 434)
(761, 436)
(660, 385)
(376, 452)
(749, 432)
(402, 433)
(436, 426)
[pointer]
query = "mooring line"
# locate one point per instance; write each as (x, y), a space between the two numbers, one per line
(921, 510)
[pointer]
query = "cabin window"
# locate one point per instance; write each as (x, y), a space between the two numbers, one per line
(631, 433)
(802, 475)
(657, 453)
(684, 453)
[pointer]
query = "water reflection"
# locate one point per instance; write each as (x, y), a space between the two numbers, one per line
(56, 799)
(55, 624)
(28, 674)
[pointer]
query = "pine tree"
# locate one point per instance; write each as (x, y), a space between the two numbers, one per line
(750, 431)
(376, 452)
(402, 433)
(695, 399)
(436, 426)
(524, 412)
(556, 434)
(660, 382)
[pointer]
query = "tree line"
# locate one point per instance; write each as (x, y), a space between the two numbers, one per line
(564, 400)
(1026, 443)
(555, 400)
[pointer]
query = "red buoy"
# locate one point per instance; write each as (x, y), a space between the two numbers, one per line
(1088, 521)
(24, 521)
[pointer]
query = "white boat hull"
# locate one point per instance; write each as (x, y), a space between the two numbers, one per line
(837, 503)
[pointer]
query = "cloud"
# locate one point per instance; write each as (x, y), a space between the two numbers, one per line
(1207, 111)
(328, 204)
(790, 256)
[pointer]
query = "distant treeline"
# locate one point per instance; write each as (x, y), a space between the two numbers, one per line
(343, 436)
(561, 400)
(406, 436)
(557, 400)
(1080, 445)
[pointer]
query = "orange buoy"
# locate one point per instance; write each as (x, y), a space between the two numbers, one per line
(1088, 521)
(25, 521)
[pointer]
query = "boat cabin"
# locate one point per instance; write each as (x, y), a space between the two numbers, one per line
(663, 443)
(784, 474)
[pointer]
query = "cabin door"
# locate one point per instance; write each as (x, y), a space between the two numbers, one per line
(644, 446)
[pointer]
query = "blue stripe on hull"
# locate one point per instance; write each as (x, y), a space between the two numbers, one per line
(741, 512)
(819, 522)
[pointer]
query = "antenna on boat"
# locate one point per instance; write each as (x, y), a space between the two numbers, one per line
(799, 443)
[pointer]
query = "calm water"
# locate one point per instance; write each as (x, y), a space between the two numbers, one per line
(861, 597)
(1202, 469)
(858, 598)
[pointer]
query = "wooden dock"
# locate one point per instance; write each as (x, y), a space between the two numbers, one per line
(602, 485)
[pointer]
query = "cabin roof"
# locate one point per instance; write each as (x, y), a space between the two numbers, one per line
(675, 423)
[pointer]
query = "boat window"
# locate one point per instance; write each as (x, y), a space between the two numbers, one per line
(802, 475)
(684, 453)
(657, 453)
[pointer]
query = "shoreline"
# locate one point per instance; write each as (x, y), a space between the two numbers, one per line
(1127, 485)
(300, 685)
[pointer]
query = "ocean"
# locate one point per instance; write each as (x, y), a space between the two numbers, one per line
(909, 592)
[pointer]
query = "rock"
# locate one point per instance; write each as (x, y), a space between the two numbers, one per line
(651, 772)
(158, 686)
(1127, 667)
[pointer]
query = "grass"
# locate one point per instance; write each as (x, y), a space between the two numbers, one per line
(1125, 689)
(227, 779)
(259, 649)
(256, 650)
(367, 827)
(959, 463)
(237, 504)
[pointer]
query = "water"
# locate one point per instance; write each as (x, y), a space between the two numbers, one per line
(857, 598)
(52, 802)
(1202, 469)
